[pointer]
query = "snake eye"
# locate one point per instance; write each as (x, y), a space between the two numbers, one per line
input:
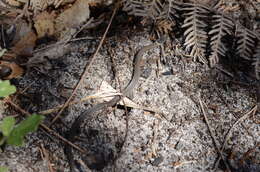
(4, 71)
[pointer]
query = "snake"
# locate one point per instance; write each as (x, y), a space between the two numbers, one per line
(127, 91)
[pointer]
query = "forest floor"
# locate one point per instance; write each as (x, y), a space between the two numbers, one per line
(196, 113)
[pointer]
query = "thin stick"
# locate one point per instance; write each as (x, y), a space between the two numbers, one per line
(45, 156)
(212, 134)
(86, 68)
(253, 110)
(45, 127)
(62, 42)
(57, 108)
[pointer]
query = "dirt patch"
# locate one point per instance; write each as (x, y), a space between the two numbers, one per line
(177, 141)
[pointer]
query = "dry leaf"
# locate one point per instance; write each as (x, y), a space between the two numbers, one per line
(106, 92)
(72, 17)
(22, 28)
(24, 39)
(75, 15)
(54, 52)
(16, 71)
(44, 24)
(25, 45)
(14, 3)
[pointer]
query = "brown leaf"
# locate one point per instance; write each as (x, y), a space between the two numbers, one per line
(25, 45)
(15, 70)
(44, 24)
(14, 3)
(22, 28)
(73, 16)
(52, 53)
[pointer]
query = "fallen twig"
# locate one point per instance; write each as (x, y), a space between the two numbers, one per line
(253, 110)
(57, 108)
(212, 134)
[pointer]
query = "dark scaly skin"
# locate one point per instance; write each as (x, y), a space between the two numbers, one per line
(74, 130)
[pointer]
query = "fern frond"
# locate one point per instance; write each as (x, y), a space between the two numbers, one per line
(256, 62)
(134, 7)
(155, 8)
(171, 8)
(246, 42)
(222, 26)
(196, 36)
(144, 8)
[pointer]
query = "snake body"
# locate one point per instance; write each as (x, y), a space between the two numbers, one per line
(75, 128)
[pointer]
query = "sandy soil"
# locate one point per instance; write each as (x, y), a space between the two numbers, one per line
(177, 141)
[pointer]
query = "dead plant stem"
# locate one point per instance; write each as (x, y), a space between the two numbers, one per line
(212, 134)
(253, 110)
